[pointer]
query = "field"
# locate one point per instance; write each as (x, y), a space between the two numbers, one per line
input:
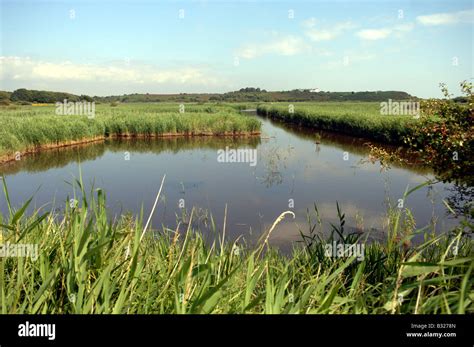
(362, 119)
(91, 264)
(29, 128)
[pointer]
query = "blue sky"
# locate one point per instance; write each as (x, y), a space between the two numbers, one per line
(105, 47)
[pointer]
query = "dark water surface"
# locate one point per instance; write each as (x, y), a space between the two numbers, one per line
(290, 166)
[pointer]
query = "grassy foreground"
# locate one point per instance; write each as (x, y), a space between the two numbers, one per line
(362, 119)
(88, 263)
(28, 128)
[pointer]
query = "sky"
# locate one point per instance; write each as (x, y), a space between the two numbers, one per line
(123, 47)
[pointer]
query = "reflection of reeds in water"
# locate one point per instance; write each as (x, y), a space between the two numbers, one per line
(60, 157)
(350, 144)
(274, 162)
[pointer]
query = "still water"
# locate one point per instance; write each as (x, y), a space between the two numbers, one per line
(295, 169)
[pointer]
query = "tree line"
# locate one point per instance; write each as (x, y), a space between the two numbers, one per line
(249, 94)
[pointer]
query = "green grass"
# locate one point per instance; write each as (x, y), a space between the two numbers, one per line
(26, 128)
(361, 119)
(90, 263)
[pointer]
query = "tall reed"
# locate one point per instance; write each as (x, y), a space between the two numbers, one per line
(89, 262)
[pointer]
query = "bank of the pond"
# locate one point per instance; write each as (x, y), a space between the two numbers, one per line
(84, 262)
(26, 134)
(356, 119)
(15, 156)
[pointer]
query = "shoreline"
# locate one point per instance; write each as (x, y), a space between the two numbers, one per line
(4, 159)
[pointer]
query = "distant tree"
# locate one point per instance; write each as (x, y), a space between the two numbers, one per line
(86, 98)
(41, 96)
(21, 94)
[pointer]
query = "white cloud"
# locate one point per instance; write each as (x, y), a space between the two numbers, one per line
(325, 34)
(447, 18)
(25, 68)
(285, 45)
(373, 34)
(383, 33)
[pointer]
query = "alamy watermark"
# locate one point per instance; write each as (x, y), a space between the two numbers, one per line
(78, 108)
(400, 108)
(243, 155)
(342, 250)
(28, 329)
(21, 250)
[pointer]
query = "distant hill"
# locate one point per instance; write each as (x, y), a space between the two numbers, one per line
(242, 95)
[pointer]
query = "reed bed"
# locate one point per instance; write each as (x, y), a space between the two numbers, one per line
(91, 263)
(29, 128)
(361, 119)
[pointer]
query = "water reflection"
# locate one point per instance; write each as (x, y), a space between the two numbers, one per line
(60, 157)
(292, 173)
(460, 201)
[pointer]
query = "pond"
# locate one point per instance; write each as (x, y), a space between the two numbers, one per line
(294, 170)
